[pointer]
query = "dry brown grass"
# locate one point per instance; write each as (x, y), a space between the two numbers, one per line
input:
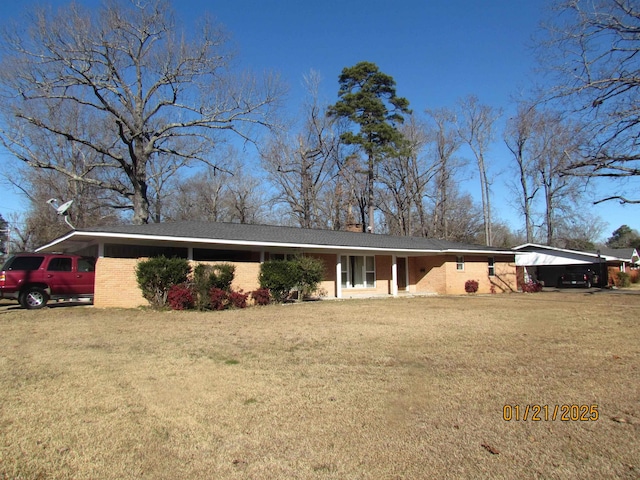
(362, 389)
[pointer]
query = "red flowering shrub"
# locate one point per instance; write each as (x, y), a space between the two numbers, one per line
(261, 296)
(471, 286)
(238, 299)
(219, 298)
(180, 297)
(532, 287)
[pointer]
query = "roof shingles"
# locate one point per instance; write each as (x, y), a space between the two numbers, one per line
(269, 234)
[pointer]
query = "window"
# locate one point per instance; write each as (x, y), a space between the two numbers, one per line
(460, 264)
(86, 264)
(137, 251)
(492, 267)
(59, 265)
(23, 263)
(282, 256)
(213, 255)
(358, 271)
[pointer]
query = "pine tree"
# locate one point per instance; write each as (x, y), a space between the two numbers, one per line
(368, 99)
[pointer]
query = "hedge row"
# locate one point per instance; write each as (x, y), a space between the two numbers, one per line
(170, 281)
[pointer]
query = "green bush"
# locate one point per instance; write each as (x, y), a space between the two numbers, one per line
(624, 280)
(280, 277)
(157, 275)
(283, 276)
(222, 275)
(310, 274)
(206, 277)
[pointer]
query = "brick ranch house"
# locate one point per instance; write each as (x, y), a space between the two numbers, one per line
(356, 264)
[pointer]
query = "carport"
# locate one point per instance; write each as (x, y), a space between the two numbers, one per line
(541, 263)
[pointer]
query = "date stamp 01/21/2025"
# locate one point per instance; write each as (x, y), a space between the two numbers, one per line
(546, 413)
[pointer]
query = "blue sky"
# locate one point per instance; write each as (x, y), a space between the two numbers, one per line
(437, 51)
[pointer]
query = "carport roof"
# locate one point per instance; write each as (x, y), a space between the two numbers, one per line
(197, 232)
(534, 254)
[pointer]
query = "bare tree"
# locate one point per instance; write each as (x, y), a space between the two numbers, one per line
(464, 218)
(148, 91)
(476, 128)
(199, 197)
(352, 187)
(300, 166)
(245, 197)
(445, 142)
(40, 223)
(519, 137)
(579, 231)
(398, 177)
(593, 48)
(230, 193)
(556, 139)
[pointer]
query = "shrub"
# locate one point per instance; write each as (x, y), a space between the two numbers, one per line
(238, 299)
(157, 275)
(218, 298)
(471, 286)
(623, 279)
(222, 275)
(261, 296)
(206, 277)
(280, 277)
(634, 276)
(310, 273)
(180, 297)
(532, 287)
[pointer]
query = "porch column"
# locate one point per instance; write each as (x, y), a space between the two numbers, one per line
(261, 256)
(190, 253)
(338, 276)
(394, 275)
(100, 249)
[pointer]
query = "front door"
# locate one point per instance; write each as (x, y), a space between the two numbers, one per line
(402, 274)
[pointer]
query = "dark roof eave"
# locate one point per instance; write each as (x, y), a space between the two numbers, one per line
(101, 235)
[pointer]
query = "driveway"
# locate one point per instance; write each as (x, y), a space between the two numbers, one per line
(8, 306)
(613, 291)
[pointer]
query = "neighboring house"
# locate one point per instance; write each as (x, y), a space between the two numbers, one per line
(356, 264)
(547, 264)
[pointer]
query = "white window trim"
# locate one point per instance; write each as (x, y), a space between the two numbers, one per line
(349, 285)
(460, 262)
(491, 261)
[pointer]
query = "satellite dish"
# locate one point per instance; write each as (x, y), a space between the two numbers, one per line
(62, 209)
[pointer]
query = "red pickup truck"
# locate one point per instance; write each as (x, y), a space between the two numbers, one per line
(34, 278)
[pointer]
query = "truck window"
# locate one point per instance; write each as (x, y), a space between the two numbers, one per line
(24, 263)
(59, 265)
(86, 265)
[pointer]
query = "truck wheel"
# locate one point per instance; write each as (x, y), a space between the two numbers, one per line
(33, 298)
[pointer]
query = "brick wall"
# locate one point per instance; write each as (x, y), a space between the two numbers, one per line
(245, 277)
(327, 287)
(439, 275)
(477, 268)
(427, 275)
(116, 284)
